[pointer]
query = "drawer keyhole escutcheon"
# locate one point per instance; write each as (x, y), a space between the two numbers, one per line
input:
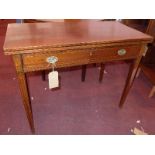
(121, 52)
(52, 59)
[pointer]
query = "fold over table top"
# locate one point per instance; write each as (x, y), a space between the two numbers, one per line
(28, 36)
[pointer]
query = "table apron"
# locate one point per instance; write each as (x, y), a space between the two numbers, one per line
(68, 58)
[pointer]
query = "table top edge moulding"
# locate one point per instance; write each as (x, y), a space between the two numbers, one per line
(20, 38)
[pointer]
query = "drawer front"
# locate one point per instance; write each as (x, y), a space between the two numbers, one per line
(66, 58)
(115, 53)
(38, 61)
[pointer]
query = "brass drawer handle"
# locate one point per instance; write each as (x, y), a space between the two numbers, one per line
(121, 52)
(52, 60)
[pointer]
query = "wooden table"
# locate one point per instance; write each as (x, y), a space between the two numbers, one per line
(73, 43)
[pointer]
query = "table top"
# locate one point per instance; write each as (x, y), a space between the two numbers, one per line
(27, 36)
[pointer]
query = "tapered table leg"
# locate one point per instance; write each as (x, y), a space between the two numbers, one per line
(83, 73)
(43, 75)
(24, 90)
(101, 72)
(138, 72)
(131, 76)
(26, 99)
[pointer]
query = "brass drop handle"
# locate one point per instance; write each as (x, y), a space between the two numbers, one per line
(52, 60)
(121, 52)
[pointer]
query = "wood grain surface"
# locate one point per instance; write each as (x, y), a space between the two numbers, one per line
(26, 36)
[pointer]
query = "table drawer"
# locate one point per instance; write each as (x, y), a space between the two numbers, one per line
(65, 58)
(38, 61)
(114, 53)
